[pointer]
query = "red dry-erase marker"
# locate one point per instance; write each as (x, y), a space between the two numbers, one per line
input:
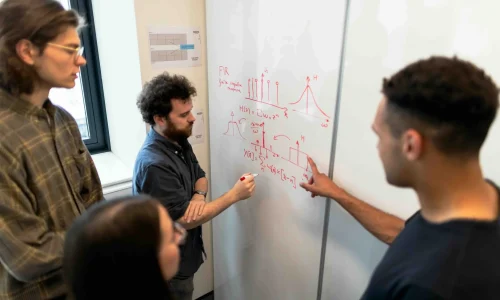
(243, 178)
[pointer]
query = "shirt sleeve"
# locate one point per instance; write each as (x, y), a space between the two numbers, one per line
(198, 170)
(28, 248)
(163, 184)
(415, 292)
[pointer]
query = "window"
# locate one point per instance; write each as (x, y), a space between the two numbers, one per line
(85, 102)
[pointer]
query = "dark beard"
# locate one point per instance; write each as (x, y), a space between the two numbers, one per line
(175, 134)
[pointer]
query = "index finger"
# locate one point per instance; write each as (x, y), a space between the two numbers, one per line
(192, 212)
(313, 165)
(188, 212)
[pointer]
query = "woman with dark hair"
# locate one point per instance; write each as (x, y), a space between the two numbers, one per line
(47, 176)
(122, 249)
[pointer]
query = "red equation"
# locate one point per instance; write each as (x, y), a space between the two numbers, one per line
(281, 173)
(257, 112)
(262, 153)
(270, 168)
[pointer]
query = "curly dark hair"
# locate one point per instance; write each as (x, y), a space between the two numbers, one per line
(155, 98)
(450, 101)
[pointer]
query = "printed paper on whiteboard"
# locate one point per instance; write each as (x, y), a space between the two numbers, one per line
(174, 46)
(198, 135)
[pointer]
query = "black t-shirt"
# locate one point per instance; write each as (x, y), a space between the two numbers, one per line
(458, 259)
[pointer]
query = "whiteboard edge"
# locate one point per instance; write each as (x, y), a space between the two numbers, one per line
(333, 149)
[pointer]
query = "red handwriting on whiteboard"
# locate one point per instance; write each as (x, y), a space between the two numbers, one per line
(260, 143)
(230, 85)
(223, 71)
(250, 155)
(227, 83)
(306, 104)
(274, 170)
(234, 87)
(266, 166)
(222, 82)
(297, 157)
(306, 176)
(281, 173)
(257, 112)
(264, 91)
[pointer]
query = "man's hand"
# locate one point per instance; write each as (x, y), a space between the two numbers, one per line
(244, 189)
(195, 208)
(321, 185)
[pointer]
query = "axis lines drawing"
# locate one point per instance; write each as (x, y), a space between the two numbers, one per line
(298, 158)
(233, 128)
(264, 91)
(310, 101)
(260, 143)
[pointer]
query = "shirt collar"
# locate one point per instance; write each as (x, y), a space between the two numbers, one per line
(24, 107)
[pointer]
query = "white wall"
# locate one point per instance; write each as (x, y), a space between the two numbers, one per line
(122, 38)
(121, 79)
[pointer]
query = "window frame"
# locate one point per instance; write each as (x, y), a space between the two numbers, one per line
(90, 74)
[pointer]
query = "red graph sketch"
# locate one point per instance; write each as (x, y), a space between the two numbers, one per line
(233, 127)
(310, 101)
(260, 143)
(262, 153)
(297, 157)
(263, 90)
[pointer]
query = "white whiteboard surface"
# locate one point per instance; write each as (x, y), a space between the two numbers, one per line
(382, 37)
(273, 70)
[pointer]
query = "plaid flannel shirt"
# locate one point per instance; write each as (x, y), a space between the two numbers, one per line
(47, 179)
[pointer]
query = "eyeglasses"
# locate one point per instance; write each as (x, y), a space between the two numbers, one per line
(78, 51)
(178, 228)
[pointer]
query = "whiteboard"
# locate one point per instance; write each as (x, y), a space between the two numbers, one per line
(273, 70)
(382, 37)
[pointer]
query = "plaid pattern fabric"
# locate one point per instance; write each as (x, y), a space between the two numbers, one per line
(47, 178)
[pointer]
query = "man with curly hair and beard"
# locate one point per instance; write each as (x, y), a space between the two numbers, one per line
(431, 123)
(167, 169)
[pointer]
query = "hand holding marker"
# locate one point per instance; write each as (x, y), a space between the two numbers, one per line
(244, 177)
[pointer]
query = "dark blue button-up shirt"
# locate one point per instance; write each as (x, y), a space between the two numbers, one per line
(168, 172)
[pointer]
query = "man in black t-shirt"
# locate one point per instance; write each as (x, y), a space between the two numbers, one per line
(431, 123)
